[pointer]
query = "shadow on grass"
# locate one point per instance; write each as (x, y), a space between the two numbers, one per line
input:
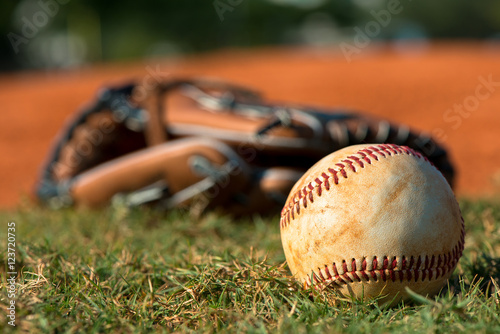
(481, 274)
(485, 270)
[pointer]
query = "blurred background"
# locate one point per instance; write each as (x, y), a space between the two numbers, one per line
(70, 33)
(419, 63)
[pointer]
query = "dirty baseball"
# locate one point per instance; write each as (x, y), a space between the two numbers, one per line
(369, 221)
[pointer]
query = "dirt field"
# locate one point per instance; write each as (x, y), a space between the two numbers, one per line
(416, 89)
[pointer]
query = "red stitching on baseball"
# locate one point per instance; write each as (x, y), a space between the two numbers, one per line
(412, 262)
(306, 193)
(346, 277)
(389, 149)
(364, 157)
(327, 272)
(424, 269)
(382, 275)
(358, 160)
(350, 164)
(417, 272)
(334, 173)
(405, 149)
(321, 275)
(378, 150)
(343, 172)
(408, 274)
(344, 266)
(370, 153)
(316, 278)
(326, 178)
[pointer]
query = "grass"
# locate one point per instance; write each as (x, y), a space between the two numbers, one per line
(121, 270)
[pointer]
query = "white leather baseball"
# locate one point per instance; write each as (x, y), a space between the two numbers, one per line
(370, 220)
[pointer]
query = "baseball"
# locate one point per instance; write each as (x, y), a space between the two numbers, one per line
(370, 220)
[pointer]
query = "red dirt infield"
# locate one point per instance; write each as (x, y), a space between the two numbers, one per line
(424, 90)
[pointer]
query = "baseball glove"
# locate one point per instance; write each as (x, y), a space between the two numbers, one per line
(203, 141)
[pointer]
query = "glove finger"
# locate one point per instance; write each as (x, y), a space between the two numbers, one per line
(175, 163)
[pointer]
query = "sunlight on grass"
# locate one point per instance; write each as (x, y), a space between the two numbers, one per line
(137, 270)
